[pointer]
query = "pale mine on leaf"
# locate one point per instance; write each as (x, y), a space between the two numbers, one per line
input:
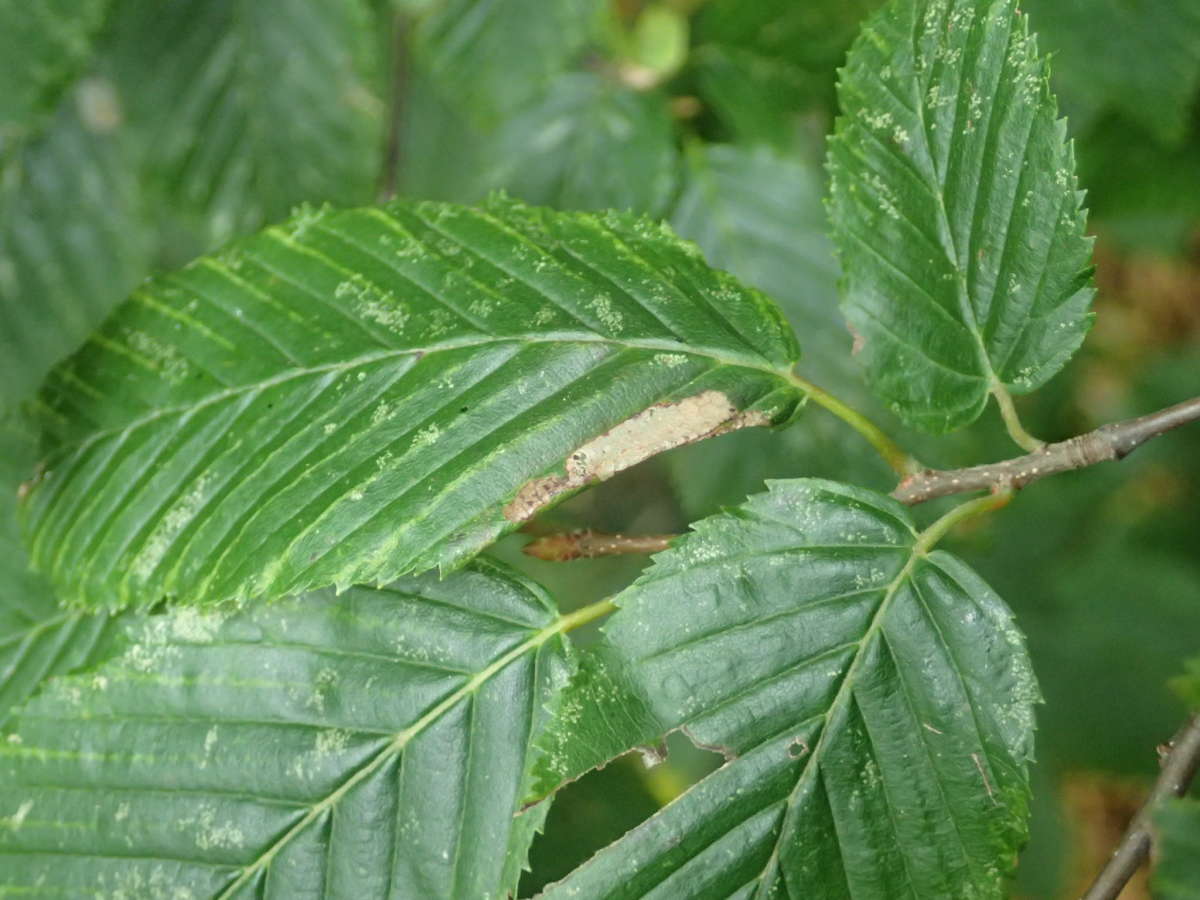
(654, 430)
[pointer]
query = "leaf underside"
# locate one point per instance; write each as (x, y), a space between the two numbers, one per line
(955, 210)
(368, 745)
(356, 395)
(875, 705)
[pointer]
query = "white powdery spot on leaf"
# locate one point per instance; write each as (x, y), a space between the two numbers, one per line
(322, 684)
(162, 358)
(210, 743)
(372, 304)
(425, 437)
(327, 745)
(194, 626)
(610, 318)
(168, 529)
(670, 360)
(17, 819)
(209, 833)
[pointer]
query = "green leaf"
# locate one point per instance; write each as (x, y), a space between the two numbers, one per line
(372, 743)
(495, 57)
(1187, 685)
(758, 214)
(589, 143)
(1136, 56)
(873, 699)
(248, 107)
(72, 241)
(658, 41)
(356, 395)
(38, 639)
(955, 210)
(443, 155)
(1177, 862)
(44, 44)
(1140, 194)
(761, 64)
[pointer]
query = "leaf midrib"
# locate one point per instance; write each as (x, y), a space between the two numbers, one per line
(840, 700)
(943, 222)
(667, 346)
(396, 746)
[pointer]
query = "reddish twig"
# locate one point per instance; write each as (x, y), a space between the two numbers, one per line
(590, 544)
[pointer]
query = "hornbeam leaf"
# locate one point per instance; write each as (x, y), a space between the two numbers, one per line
(758, 214)
(370, 745)
(760, 64)
(492, 58)
(589, 143)
(873, 699)
(248, 107)
(73, 240)
(38, 639)
(356, 395)
(1177, 850)
(955, 210)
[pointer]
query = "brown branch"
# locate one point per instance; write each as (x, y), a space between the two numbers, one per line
(590, 544)
(1108, 442)
(1179, 767)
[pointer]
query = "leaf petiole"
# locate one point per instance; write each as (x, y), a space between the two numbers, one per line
(901, 461)
(930, 537)
(1008, 411)
(583, 616)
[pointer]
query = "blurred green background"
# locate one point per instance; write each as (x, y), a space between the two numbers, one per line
(135, 134)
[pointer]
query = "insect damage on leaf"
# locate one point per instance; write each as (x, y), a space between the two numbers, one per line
(654, 430)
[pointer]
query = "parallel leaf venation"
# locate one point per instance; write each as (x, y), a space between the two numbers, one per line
(358, 394)
(320, 741)
(873, 700)
(955, 209)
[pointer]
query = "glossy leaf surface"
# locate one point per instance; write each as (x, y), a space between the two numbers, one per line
(355, 395)
(371, 744)
(873, 699)
(955, 210)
